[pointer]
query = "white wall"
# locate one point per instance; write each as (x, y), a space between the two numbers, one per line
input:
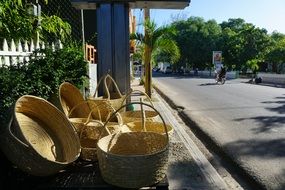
(93, 78)
(272, 78)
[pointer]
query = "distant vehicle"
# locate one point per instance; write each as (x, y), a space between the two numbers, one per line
(156, 69)
(167, 70)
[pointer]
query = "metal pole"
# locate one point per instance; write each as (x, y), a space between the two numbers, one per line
(82, 30)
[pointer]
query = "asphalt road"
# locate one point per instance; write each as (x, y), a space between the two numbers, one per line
(247, 121)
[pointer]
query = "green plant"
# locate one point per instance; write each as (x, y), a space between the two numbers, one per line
(155, 39)
(54, 28)
(16, 23)
(42, 75)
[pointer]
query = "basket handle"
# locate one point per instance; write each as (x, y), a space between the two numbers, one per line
(132, 91)
(141, 103)
(143, 116)
(82, 103)
(14, 136)
(115, 84)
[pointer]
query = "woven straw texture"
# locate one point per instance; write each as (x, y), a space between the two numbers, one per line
(136, 115)
(40, 140)
(133, 159)
(70, 97)
(157, 127)
(115, 96)
(111, 100)
(89, 131)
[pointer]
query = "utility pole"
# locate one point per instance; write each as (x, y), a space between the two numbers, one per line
(147, 57)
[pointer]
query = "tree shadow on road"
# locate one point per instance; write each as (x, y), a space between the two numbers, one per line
(269, 123)
(208, 84)
(279, 109)
(264, 150)
(259, 148)
(266, 123)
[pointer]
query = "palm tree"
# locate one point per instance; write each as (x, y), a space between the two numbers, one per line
(155, 39)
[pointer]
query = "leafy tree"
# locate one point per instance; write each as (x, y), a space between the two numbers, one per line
(276, 55)
(16, 23)
(155, 39)
(197, 39)
(243, 43)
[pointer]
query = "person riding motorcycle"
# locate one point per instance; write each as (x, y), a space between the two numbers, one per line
(221, 75)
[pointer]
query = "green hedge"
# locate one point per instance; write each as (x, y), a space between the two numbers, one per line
(41, 76)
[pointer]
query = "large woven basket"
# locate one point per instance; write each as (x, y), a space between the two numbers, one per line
(40, 140)
(135, 115)
(133, 159)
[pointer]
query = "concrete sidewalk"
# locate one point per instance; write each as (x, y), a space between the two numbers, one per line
(188, 166)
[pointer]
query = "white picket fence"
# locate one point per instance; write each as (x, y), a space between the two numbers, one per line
(13, 53)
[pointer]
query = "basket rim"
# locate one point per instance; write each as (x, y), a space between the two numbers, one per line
(29, 144)
(136, 155)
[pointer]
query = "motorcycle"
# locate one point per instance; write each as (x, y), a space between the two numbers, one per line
(220, 79)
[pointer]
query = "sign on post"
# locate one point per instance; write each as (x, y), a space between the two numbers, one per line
(217, 60)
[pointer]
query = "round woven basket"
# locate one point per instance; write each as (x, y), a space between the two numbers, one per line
(89, 131)
(40, 140)
(133, 159)
(136, 115)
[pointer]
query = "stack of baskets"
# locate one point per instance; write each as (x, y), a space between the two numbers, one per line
(87, 116)
(133, 155)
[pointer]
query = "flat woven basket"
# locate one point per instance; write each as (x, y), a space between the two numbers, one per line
(133, 159)
(39, 140)
(135, 115)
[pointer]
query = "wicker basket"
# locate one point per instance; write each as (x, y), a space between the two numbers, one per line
(90, 129)
(109, 98)
(70, 97)
(39, 140)
(135, 115)
(133, 159)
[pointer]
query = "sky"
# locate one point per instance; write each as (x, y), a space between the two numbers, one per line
(261, 13)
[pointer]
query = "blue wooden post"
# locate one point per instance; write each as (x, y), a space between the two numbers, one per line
(113, 43)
